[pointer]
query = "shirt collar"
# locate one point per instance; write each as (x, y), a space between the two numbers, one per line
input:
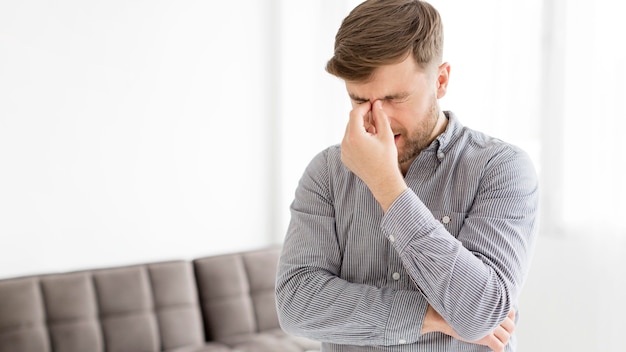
(445, 139)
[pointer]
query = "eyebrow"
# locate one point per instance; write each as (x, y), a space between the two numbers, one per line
(387, 97)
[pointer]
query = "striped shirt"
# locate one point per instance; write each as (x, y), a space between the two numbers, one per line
(459, 238)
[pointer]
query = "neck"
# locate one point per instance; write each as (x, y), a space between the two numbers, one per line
(440, 127)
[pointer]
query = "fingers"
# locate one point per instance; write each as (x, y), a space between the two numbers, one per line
(512, 314)
(495, 344)
(502, 333)
(509, 323)
(381, 121)
(359, 118)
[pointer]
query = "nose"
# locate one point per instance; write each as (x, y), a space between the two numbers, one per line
(382, 102)
(385, 105)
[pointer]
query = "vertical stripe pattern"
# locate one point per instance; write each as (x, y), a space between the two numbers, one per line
(459, 239)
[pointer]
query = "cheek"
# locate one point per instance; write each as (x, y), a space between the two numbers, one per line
(408, 115)
(400, 116)
(404, 112)
(421, 108)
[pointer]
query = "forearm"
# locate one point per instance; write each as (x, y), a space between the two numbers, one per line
(473, 292)
(496, 340)
(315, 295)
(434, 322)
(321, 306)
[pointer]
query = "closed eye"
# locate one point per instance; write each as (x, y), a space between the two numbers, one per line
(397, 99)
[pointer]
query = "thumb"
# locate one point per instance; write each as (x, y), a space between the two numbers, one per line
(381, 121)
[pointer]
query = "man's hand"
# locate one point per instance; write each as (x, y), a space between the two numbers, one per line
(496, 340)
(368, 149)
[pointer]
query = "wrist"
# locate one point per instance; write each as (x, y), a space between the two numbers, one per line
(434, 322)
(388, 190)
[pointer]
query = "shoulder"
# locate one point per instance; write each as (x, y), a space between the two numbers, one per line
(324, 176)
(497, 159)
(476, 147)
(326, 161)
(480, 146)
(326, 167)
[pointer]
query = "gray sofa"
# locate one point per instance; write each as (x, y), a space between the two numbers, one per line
(213, 304)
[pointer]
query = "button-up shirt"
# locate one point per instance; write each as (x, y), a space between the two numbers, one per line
(459, 239)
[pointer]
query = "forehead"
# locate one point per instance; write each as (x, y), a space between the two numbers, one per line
(389, 80)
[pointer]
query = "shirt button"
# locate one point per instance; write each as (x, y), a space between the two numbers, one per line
(391, 238)
(395, 276)
(446, 219)
(440, 155)
(402, 341)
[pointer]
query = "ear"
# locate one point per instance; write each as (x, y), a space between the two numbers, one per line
(443, 77)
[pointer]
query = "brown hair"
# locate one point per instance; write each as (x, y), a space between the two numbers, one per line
(383, 32)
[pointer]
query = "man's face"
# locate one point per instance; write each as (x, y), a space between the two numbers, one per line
(409, 95)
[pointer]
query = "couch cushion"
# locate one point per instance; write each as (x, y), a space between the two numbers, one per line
(176, 304)
(22, 318)
(261, 273)
(237, 292)
(224, 296)
(139, 308)
(237, 298)
(208, 347)
(72, 312)
(149, 308)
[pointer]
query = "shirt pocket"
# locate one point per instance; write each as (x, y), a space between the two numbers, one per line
(452, 221)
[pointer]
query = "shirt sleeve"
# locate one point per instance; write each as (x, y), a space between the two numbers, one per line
(313, 301)
(473, 280)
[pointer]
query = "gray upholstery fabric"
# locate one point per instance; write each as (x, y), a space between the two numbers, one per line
(72, 312)
(22, 320)
(149, 308)
(227, 306)
(208, 347)
(241, 311)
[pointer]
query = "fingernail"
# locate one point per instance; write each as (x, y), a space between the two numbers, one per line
(379, 104)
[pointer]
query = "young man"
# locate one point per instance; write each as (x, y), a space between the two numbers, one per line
(416, 233)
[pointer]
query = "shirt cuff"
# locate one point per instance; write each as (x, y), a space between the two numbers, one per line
(406, 219)
(406, 318)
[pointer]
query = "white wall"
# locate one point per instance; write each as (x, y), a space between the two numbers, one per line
(150, 130)
(573, 298)
(132, 131)
(314, 105)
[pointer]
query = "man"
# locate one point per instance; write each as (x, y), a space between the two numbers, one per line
(416, 233)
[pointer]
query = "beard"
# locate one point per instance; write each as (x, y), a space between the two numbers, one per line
(421, 137)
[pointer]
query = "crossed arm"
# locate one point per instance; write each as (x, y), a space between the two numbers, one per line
(354, 322)
(496, 235)
(496, 340)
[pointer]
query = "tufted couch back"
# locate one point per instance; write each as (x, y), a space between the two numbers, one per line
(218, 303)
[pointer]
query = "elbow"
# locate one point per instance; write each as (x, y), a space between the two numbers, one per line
(285, 320)
(475, 330)
(290, 326)
(291, 321)
(296, 308)
(473, 334)
(288, 312)
(474, 323)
